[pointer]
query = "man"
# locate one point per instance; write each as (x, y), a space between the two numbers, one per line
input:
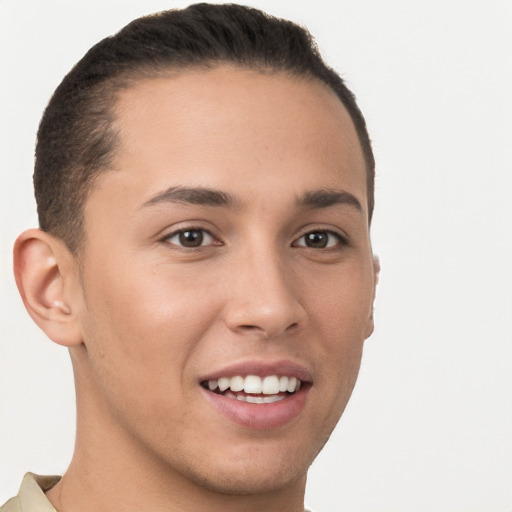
(205, 188)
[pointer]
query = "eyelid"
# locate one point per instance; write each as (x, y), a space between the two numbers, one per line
(342, 238)
(176, 232)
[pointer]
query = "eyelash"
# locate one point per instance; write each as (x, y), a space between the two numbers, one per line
(316, 236)
(203, 233)
(333, 239)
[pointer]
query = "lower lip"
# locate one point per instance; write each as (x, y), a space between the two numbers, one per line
(259, 416)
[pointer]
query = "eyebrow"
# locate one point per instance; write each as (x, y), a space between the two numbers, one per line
(314, 199)
(323, 198)
(192, 195)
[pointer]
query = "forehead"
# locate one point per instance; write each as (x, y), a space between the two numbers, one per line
(224, 125)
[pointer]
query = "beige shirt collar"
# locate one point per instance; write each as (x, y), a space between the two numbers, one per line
(31, 497)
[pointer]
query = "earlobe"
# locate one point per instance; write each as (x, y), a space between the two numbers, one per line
(42, 268)
(376, 273)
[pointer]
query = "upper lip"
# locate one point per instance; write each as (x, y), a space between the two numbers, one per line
(262, 369)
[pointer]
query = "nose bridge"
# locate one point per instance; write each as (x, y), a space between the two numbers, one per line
(264, 298)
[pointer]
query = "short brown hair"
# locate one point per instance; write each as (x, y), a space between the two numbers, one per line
(76, 139)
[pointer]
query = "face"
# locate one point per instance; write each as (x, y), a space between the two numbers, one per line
(227, 276)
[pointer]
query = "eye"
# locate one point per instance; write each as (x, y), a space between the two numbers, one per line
(191, 238)
(320, 240)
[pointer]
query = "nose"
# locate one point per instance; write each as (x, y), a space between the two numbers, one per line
(263, 297)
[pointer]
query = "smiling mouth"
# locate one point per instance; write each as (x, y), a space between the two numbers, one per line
(254, 389)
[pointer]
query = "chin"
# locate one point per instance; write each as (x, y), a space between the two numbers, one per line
(254, 480)
(258, 469)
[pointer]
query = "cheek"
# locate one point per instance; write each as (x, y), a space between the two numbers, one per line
(141, 330)
(341, 308)
(149, 306)
(340, 315)
(140, 336)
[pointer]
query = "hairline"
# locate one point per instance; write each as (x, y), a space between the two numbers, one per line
(128, 79)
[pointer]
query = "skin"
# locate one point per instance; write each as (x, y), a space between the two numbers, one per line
(145, 318)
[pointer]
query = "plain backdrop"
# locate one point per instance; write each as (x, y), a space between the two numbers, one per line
(429, 427)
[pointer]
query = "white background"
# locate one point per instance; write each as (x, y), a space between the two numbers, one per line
(429, 427)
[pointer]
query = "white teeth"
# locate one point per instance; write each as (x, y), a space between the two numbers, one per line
(283, 384)
(260, 399)
(292, 384)
(236, 383)
(223, 383)
(255, 385)
(270, 385)
(255, 399)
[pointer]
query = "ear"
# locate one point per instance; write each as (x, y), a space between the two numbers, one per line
(46, 277)
(376, 273)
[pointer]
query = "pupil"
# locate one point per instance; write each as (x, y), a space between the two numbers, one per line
(317, 240)
(192, 238)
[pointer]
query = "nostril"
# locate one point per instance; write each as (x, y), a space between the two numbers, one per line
(268, 331)
(249, 328)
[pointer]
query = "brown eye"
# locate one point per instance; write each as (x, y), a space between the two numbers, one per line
(190, 238)
(319, 240)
